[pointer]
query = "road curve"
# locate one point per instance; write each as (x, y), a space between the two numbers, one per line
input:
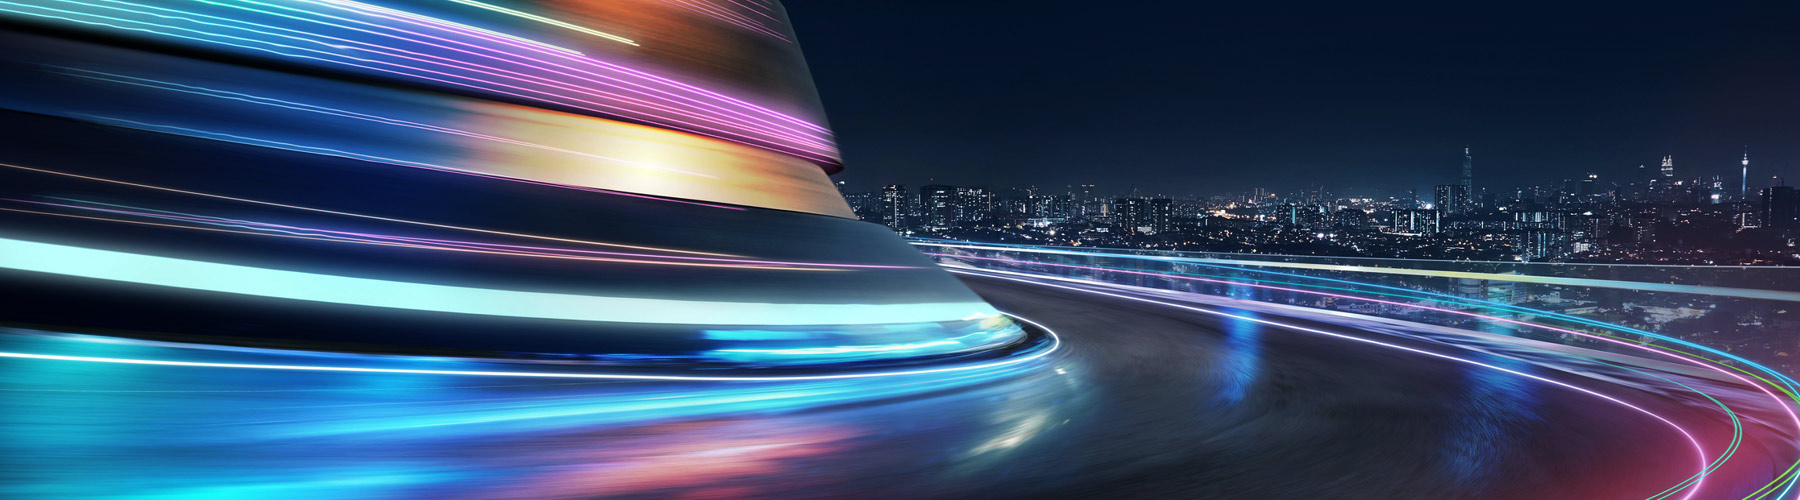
(1144, 399)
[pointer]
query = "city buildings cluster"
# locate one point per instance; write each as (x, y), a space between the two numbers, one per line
(1656, 216)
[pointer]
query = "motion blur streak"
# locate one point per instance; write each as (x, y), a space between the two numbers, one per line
(1550, 280)
(1786, 384)
(347, 214)
(1089, 274)
(445, 133)
(305, 175)
(1699, 450)
(546, 20)
(1048, 345)
(162, 271)
(589, 248)
(266, 229)
(441, 53)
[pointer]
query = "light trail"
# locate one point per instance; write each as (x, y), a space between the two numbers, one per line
(1055, 343)
(416, 246)
(323, 151)
(655, 105)
(1693, 489)
(294, 285)
(1786, 385)
(460, 26)
(1749, 293)
(1717, 463)
(356, 215)
(780, 131)
(549, 21)
(1790, 411)
(729, 102)
(729, 17)
(725, 103)
(1680, 355)
(1451, 298)
(313, 108)
(285, 231)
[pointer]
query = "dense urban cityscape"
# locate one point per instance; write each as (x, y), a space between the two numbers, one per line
(688, 249)
(1660, 215)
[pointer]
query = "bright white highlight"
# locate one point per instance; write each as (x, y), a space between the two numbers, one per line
(274, 283)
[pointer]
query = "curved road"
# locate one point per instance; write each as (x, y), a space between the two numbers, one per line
(1143, 400)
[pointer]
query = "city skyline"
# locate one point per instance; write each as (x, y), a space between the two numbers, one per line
(1743, 175)
(1659, 215)
(599, 249)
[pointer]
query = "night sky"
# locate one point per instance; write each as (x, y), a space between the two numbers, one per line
(1189, 98)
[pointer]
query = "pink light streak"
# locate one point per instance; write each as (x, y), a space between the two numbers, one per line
(654, 98)
(1692, 489)
(452, 245)
(1792, 416)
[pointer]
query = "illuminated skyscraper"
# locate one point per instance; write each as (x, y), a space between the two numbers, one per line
(894, 205)
(1417, 221)
(1781, 207)
(940, 205)
(1452, 198)
(974, 204)
(1468, 170)
(1049, 207)
(1744, 187)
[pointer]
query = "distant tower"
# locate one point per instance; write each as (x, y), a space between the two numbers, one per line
(1744, 188)
(1468, 177)
(1668, 167)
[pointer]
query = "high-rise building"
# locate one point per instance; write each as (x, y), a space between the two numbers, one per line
(1668, 168)
(1417, 221)
(894, 205)
(865, 205)
(973, 204)
(1781, 207)
(1349, 218)
(1049, 207)
(1539, 244)
(1468, 170)
(1452, 198)
(1144, 215)
(1162, 215)
(1082, 201)
(1303, 216)
(1744, 188)
(939, 205)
